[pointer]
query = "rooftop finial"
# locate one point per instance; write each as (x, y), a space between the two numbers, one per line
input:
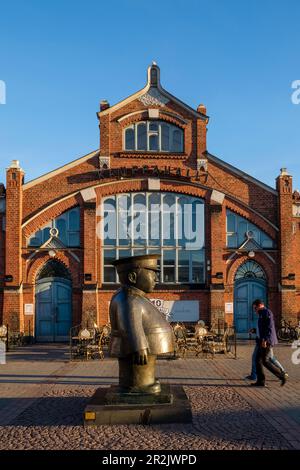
(154, 75)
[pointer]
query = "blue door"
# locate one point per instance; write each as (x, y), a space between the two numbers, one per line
(245, 292)
(53, 309)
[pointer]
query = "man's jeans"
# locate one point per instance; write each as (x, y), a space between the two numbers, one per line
(272, 359)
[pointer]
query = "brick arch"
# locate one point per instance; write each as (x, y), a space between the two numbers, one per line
(162, 117)
(41, 259)
(130, 186)
(43, 217)
(255, 219)
(260, 259)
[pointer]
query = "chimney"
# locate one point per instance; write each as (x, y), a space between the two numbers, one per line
(104, 104)
(201, 109)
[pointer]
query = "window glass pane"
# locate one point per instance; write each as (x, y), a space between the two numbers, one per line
(129, 139)
(169, 228)
(255, 232)
(154, 228)
(46, 234)
(139, 228)
(169, 265)
(232, 241)
(153, 142)
(36, 239)
(124, 253)
(109, 204)
(266, 241)
(153, 126)
(154, 199)
(183, 257)
(139, 201)
(177, 141)
(169, 202)
(142, 137)
(109, 228)
(169, 217)
(74, 239)
(165, 137)
(124, 219)
(230, 222)
(109, 256)
(124, 202)
(242, 229)
(197, 266)
(183, 274)
(74, 219)
(62, 228)
(109, 274)
(256, 235)
(139, 251)
(183, 266)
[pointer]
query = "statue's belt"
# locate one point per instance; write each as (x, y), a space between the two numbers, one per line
(147, 331)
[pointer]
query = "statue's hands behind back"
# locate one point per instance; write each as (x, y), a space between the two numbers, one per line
(140, 357)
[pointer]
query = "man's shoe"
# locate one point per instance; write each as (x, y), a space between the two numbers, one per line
(283, 379)
(250, 377)
(258, 384)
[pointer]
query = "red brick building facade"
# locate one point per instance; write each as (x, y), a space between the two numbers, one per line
(150, 143)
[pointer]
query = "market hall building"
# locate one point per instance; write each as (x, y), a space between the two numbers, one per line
(224, 237)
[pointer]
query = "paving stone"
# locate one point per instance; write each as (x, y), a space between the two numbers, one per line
(41, 404)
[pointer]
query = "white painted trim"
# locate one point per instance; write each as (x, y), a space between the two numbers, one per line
(55, 172)
(127, 100)
(144, 90)
(161, 112)
(240, 173)
(132, 114)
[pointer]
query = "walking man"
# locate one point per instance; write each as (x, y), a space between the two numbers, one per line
(266, 340)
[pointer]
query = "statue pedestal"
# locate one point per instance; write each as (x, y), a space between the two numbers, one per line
(109, 406)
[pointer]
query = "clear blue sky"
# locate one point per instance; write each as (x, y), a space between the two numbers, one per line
(59, 58)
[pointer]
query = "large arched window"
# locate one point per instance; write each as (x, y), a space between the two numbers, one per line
(239, 229)
(68, 226)
(153, 136)
(169, 224)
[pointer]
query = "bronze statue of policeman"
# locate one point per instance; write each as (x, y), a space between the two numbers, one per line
(139, 330)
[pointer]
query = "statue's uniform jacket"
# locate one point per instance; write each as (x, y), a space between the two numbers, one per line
(137, 324)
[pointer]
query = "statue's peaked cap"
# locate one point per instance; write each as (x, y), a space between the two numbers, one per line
(133, 262)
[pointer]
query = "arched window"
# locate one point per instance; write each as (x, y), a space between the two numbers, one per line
(53, 268)
(238, 229)
(153, 136)
(169, 224)
(68, 225)
(250, 270)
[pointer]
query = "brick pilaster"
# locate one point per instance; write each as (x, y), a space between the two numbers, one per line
(12, 305)
(90, 285)
(217, 243)
(285, 216)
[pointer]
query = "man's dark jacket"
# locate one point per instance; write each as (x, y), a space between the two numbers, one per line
(266, 326)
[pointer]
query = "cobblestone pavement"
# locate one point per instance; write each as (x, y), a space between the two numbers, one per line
(42, 397)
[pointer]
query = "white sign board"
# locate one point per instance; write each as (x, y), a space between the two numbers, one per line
(229, 307)
(178, 310)
(28, 309)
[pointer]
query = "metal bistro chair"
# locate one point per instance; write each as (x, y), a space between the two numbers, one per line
(180, 334)
(216, 343)
(104, 339)
(80, 340)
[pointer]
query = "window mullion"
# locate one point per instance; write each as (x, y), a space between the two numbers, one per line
(159, 137)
